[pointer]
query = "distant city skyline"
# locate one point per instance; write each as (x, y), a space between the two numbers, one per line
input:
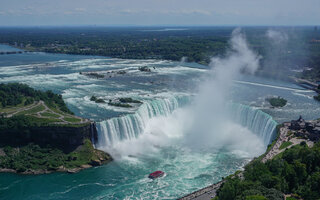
(156, 12)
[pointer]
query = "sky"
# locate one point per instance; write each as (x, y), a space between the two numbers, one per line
(158, 12)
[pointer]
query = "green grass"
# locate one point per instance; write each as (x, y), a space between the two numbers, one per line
(32, 110)
(43, 121)
(255, 197)
(10, 109)
(72, 119)
(289, 133)
(56, 110)
(48, 114)
(285, 145)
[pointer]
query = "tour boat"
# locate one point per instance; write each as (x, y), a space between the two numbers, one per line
(156, 174)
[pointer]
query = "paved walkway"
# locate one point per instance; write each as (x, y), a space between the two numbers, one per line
(10, 114)
(284, 137)
(205, 193)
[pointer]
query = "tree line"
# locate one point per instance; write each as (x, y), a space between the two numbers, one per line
(13, 94)
(295, 171)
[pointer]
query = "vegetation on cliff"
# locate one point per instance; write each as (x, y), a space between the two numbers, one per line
(17, 94)
(22, 106)
(295, 171)
(39, 134)
(33, 158)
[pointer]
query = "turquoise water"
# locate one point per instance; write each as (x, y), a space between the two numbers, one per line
(162, 144)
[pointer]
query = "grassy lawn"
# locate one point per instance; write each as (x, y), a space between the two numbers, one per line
(51, 117)
(72, 119)
(10, 109)
(44, 121)
(56, 110)
(32, 111)
(48, 114)
(285, 145)
(291, 198)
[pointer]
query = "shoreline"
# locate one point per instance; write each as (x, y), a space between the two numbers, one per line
(210, 191)
(283, 135)
(60, 169)
(104, 158)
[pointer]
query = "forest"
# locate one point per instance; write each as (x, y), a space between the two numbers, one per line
(297, 48)
(13, 94)
(296, 171)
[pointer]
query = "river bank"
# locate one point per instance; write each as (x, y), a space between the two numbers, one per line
(287, 138)
(40, 135)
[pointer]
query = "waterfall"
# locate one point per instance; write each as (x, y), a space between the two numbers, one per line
(130, 126)
(255, 120)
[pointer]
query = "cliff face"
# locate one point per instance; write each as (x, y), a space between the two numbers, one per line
(66, 138)
(46, 149)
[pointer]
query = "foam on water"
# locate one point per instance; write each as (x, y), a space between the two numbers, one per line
(164, 140)
(159, 122)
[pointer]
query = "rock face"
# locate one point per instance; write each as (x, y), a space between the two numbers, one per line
(67, 138)
(73, 149)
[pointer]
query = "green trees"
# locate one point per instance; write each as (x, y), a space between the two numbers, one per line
(296, 171)
(35, 157)
(12, 94)
(93, 98)
(255, 197)
(277, 102)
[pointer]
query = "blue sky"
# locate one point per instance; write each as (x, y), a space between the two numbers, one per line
(159, 12)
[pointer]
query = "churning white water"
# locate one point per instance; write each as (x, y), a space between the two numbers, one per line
(207, 121)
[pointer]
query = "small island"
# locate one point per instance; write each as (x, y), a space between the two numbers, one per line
(121, 102)
(39, 134)
(97, 100)
(104, 74)
(129, 100)
(277, 101)
(117, 104)
(92, 74)
(145, 69)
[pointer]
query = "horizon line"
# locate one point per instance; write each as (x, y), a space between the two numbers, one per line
(156, 25)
